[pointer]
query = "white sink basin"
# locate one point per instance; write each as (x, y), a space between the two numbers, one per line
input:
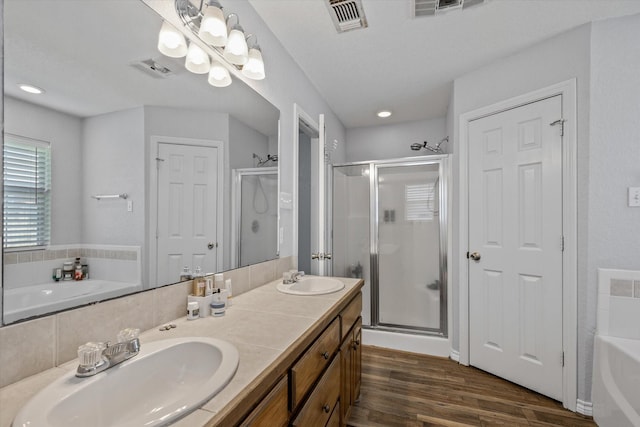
(312, 285)
(165, 381)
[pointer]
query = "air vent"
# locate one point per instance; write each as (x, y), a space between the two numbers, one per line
(347, 15)
(436, 7)
(153, 68)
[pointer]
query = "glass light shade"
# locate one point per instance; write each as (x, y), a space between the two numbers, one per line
(218, 75)
(236, 50)
(254, 68)
(171, 42)
(197, 60)
(213, 28)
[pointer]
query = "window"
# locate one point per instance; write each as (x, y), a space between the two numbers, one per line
(27, 193)
(419, 199)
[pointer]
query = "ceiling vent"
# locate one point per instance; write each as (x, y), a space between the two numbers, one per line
(153, 68)
(347, 15)
(437, 7)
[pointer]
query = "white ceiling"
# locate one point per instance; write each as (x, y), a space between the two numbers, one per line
(84, 63)
(408, 64)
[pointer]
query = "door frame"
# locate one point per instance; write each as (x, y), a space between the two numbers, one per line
(152, 239)
(317, 127)
(567, 90)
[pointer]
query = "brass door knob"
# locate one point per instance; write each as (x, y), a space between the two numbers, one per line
(475, 256)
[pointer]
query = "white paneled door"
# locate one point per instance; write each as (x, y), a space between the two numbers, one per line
(515, 244)
(187, 210)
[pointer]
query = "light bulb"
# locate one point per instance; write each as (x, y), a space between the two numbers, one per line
(236, 50)
(218, 75)
(197, 60)
(171, 42)
(254, 68)
(213, 28)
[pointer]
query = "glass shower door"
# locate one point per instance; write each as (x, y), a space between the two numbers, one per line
(351, 223)
(409, 278)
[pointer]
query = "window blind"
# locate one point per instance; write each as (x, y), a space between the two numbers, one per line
(27, 193)
(419, 199)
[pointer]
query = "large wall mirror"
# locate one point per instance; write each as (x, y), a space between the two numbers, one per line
(127, 161)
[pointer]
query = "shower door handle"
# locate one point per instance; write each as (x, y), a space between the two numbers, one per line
(475, 256)
(315, 255)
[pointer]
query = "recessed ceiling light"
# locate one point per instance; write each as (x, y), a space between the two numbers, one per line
(384, 114)
(31, 89)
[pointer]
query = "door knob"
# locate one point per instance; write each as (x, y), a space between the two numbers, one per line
(212, 245)
(475, 256)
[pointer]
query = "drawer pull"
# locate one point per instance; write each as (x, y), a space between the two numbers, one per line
(326, 408)
(326, 355)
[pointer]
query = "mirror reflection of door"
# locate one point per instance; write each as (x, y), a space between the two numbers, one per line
(187, 209)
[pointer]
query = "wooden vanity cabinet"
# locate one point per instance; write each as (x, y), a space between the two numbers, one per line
(323, 381)
(350, 366)
(273, 410)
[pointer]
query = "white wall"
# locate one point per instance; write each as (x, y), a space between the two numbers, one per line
(64, 132)
(112, 163)
(394, 141)
(243, 142)
(614, 161)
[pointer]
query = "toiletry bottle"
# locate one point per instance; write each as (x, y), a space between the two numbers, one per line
(67, 270)
(185, 274)
(77, 270)
(199, 283)
(193, 310)
(218, 281)
(227, 285)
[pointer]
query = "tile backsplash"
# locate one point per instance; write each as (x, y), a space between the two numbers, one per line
(619, 303)
(33, 346)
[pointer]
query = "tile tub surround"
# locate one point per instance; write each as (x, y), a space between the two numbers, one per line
(50, 341)
(266, 326)
(618, 303)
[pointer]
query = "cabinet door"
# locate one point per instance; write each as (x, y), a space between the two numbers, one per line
(346, 379)
(356, 354)
(273, 410)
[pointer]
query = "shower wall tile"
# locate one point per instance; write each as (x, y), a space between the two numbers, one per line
(636, 288)
(621, 288)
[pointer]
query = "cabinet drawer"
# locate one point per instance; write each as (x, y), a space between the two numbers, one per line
(273, 410)
(307, 370)
(317, 410)
(350, 314)
(334, 421)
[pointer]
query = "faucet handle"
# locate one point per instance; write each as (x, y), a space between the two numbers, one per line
(90, 354)
(128, 334)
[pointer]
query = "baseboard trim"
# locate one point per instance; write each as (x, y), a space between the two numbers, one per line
(584, 408)
(455, 355)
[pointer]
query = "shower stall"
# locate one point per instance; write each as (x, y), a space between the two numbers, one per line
(254, 215)
(390, 228)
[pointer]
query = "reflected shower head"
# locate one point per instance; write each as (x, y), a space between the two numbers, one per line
(417, 146)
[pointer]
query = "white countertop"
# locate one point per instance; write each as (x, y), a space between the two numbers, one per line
(262, 324)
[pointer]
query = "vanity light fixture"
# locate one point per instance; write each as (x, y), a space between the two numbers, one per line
(31, 89)
(218, 75)
(213, 27)
(383, 114)
(254, 68)
(224, 35)
(171, 42)
(236, 51)
(197, 60)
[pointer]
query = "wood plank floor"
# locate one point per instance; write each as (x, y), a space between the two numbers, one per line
(406, 389)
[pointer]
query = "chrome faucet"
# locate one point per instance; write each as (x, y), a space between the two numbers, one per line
(292, 276)
(96, 357)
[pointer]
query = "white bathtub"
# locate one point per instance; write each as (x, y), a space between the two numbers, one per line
(616, 382)
(28, 301)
